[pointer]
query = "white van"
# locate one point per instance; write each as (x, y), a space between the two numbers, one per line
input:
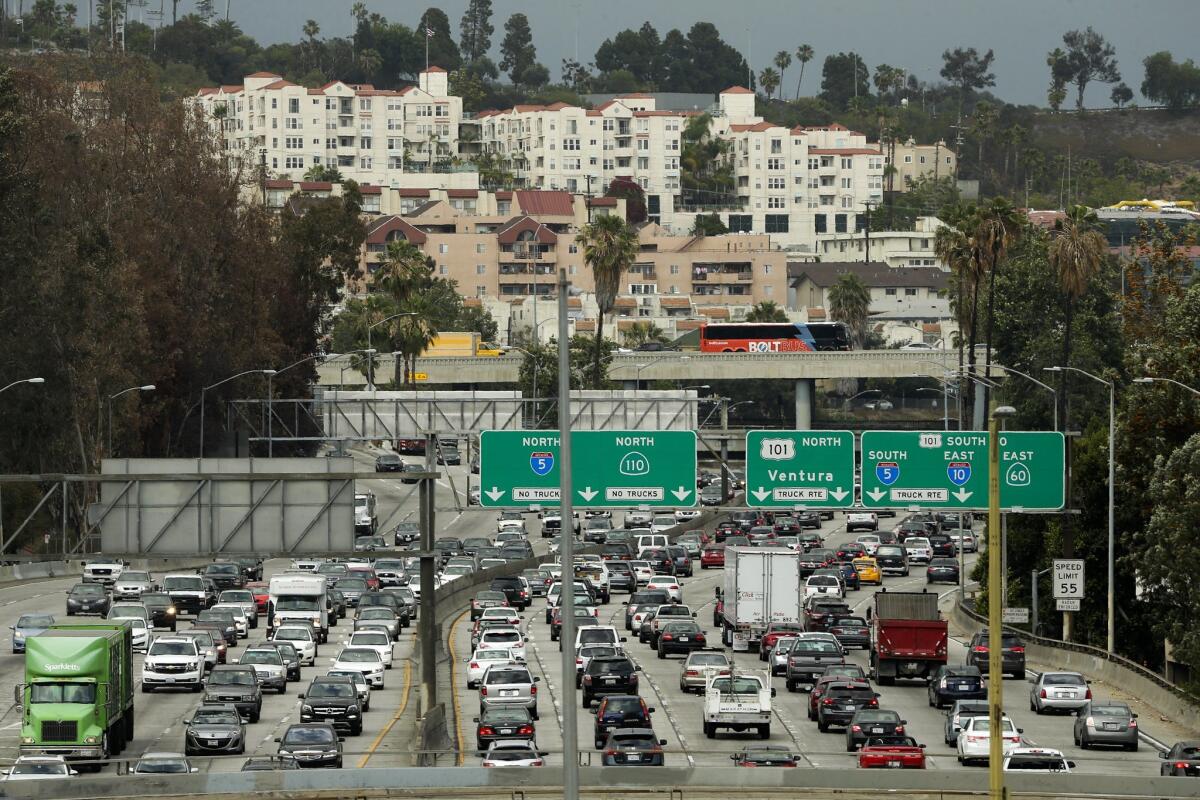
(651, 540)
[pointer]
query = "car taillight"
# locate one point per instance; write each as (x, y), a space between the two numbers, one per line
(856, 728)
(1042, 694)
(691, 673)
(533, 689)
(873, 703)
(1087, 695)
(666, 637)
(610, 752)
(474, 665)
(827, 701)
(1018, 649)
(979, 649)
(578, 661)
(1181, 765)
(1133, 723)
(942, 683)
(486, 731)
(699, 637)
(525, 729)
(483, 691)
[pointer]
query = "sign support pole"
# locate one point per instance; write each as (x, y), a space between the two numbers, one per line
(995, 613)
(567, 551)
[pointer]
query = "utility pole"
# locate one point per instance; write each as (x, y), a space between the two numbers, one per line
(867, 231)
(570, 728)
(427, 626)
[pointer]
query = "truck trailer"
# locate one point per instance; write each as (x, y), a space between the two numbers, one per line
(762, 585)
(908, 636)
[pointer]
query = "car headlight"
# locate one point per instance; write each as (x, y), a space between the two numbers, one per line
(352, 711)
(170, 609)
(91, 740)
(248, 697)
(26, 740)
(306, 708)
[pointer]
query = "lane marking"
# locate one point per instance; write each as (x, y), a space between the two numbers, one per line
(458, 733)
(395, 717)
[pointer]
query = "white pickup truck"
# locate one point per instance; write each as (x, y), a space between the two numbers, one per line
(103, 570)
(739, 702)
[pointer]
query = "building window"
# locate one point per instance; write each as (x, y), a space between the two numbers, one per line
(293, 105)
(776, 202)
(674, 269)
(481, 269)
(860, 223)
(847, 183)
(481, 248)
(890, 292)
(443, 248)
(910, 292)
(766, 269)
(908, 159)
(776, 183)
(814, 163)
(741, 223)
(827, 200)
(643, 288)
(776, 223)
(775, 163)
(839, 223)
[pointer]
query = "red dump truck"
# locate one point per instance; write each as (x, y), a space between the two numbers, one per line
(908, 636)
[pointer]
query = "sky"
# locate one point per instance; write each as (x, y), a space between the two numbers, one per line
(911, 34)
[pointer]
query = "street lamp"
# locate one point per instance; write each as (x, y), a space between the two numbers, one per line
(371, 350)
(945, 405)
(1168, 380)
(995, 606)
(1112, 428)
(640, 367)
(852, 398)
(529, 255)
(271, 395)
(26, 380)
(1045, 386)
(150, 387)
(215, 385)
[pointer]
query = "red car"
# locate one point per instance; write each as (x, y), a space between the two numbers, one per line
(897, 752)
(261, 595)
(712, 556)
(775, 631)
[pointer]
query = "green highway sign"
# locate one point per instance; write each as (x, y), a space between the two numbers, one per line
(610, 468)
(799, 468)
(949, 469)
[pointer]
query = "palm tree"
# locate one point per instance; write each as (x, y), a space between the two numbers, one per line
(1001, 226)
(1077, 249)
(850, 302)
(769, 80)
(404, 272)
(953, 247)
(804, 54)
(767, 311)
(783, 60)
(610, 246)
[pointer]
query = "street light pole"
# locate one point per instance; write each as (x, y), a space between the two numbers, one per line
(371, 350)
(147, 388)
(24, 380)
(570, 727)
(995, 617)
(1112, 430)
(1046, 386)
(1168, 380)
(204, 390)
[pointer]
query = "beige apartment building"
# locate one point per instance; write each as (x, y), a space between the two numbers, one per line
(913, 161)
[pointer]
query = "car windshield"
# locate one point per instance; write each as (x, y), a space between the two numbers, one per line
(377, 613)
(370, 639)
(215, 716)
(360, 655)
(617, 666)
(737, 685)
(815, 646)
(1111, 711)
(127, 611)
(167, 648)
(502, 636)
(294, 634)
(1061, 679)
(233, 677)
(35, 621)
(237, 596)
(709, 660)
(514, 753)
(183, 583)
(501, 715)
(213, 615)
(62, 693)
(352, 585)
(849, 622)
(495, 676)
(331, 690)
(623, 705)
(876, 716)
(1039, 763)
(38, 769)
(161, 766)
(221, 569)
(134, 577)
(261, 657)
(309, 736)
(88, 591)
(642, 741)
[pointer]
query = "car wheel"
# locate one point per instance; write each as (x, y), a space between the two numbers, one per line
(822, 726)
(1019, 675)
(1133, 748)
(1084, 743)
(661, 653)
(791, 686)
(586, 701)
(255, 715)
(710, 730)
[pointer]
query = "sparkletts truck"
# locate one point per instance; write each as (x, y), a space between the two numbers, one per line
(908, 636)
(762, 586)
(77, 699)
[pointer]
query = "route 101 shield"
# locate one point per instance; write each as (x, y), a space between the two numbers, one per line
(541, 463)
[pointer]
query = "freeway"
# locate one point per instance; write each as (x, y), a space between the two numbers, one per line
(678, 715)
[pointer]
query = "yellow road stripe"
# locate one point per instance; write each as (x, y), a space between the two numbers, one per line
(458, 734)
(395, 718)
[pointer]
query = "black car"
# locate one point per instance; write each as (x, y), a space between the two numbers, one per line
(312, 744)
(631, 747)
(745, 520)
(620, 711)
(389, 462)
(225, 574)
(161, 609)
(810, 541)
(872, 722)
(821, 610)
(291, 658)
(1012, 654)
(942, 546)
(406, 532)
(214, 728)
(514, 590)
(605, 676)
(502, 722)
(219, 620)
(229, 683)
(447, 453)
(911, 528)
(680, 637)
(88, 598)
(1181, 760)
(333, 700)
(808, 519)
(724, 528)
(448, 548)
(252, 567)
(681, 561)
(406, 474)
(661, 560)
(789, 525)
(841, 701)
(942, 570)
(851, 632)
(956, 683)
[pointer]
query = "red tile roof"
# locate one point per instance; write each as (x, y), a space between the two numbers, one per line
(316, 186)
(931, 327)
(557, 106)
(504, 194)
(472, 302)
(367, 188)
(231, 89)
(603, 106)
(675, 302)
(737, 90)
(518, 225)
(624, 302)
(528, 108)
(658, 113)
(546, 202)
(414, 192)
(585, 326)
(277, 183)
(756, 127)
(816, 312)
(206, 90)
(594, 113)
(379, 229)
(434, 68)
(602, 202)
(688, 325)
(461, 193)
(263, 75)
(279, 84)
(315, 91)
(713, 312)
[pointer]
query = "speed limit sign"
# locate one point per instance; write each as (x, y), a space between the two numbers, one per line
(1068, 579)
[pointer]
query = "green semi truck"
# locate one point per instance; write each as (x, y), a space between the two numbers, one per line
(77, 699)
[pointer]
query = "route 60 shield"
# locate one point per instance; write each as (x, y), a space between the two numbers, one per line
(541, 463)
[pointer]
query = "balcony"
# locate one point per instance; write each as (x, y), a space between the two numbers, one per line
(526, 269)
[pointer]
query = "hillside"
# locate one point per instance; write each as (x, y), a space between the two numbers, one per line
(1143, 135)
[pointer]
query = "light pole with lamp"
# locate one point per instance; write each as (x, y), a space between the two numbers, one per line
(995, 614)
(1112, 428)
(945, 405)
(219, 383)
(1046, 386)
(1168, 380)
(271, 393)
(371, 350)
(23, 380)
(150, 387)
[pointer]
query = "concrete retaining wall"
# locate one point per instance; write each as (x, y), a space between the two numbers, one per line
(37, 570)
(1170, 701)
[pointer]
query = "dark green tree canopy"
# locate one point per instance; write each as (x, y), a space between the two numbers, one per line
(517, 51)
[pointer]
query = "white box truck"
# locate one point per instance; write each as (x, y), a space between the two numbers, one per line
(299, 596)
(762, 585)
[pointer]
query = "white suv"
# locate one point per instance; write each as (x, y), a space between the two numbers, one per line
(861, 520)
(173, 661)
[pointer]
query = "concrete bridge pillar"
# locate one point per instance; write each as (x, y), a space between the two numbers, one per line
(805, 389)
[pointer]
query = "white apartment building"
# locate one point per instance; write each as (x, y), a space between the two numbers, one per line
(895, 248)
(569, 148)
(370, 135)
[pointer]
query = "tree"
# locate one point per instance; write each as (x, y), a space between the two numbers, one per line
(1121, 94)
(782, 60)
(1091, 58)
(468, 86)
(634, 196)
(844, 77)
(610, 246)
(320, 172)
(708, 225)
(804, 54)
(1174, 85)
(953, 248)
(1000, 226)
(850, 302)
(517, 50)
(706, 177)
(641, 333)
(443, 52)
(535, 76)
(889, 80)
(769, 80)
(476, 30)
(639, 52)
(576, 75)
(967, 70)
(766, 311)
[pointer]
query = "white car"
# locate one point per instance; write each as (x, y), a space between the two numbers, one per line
(662, 523)
(301, 637)
(643, 570)
(38, 768)
(870, 543)
(512, 753)
(141, 633)
(306, 564)
(509, 615)
(974, 740)
(861, 520)
(241, 620)
(668, 584)
(823, 584)
(414, 585)
(966, 541)
(686, 514)
(509, 639)
(1036, 759)
(507, 535)
(365, 660)
(481, 659)
(918, 549)
(381, 641)
(131, 584)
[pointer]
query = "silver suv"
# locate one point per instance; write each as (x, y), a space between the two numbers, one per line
(507, 685)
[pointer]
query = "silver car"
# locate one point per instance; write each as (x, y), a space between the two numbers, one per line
(1066, 691)
(779, 654)
(508, 685)
(1101, 722)
(131, 585)
(698, 666)
(29, 625)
